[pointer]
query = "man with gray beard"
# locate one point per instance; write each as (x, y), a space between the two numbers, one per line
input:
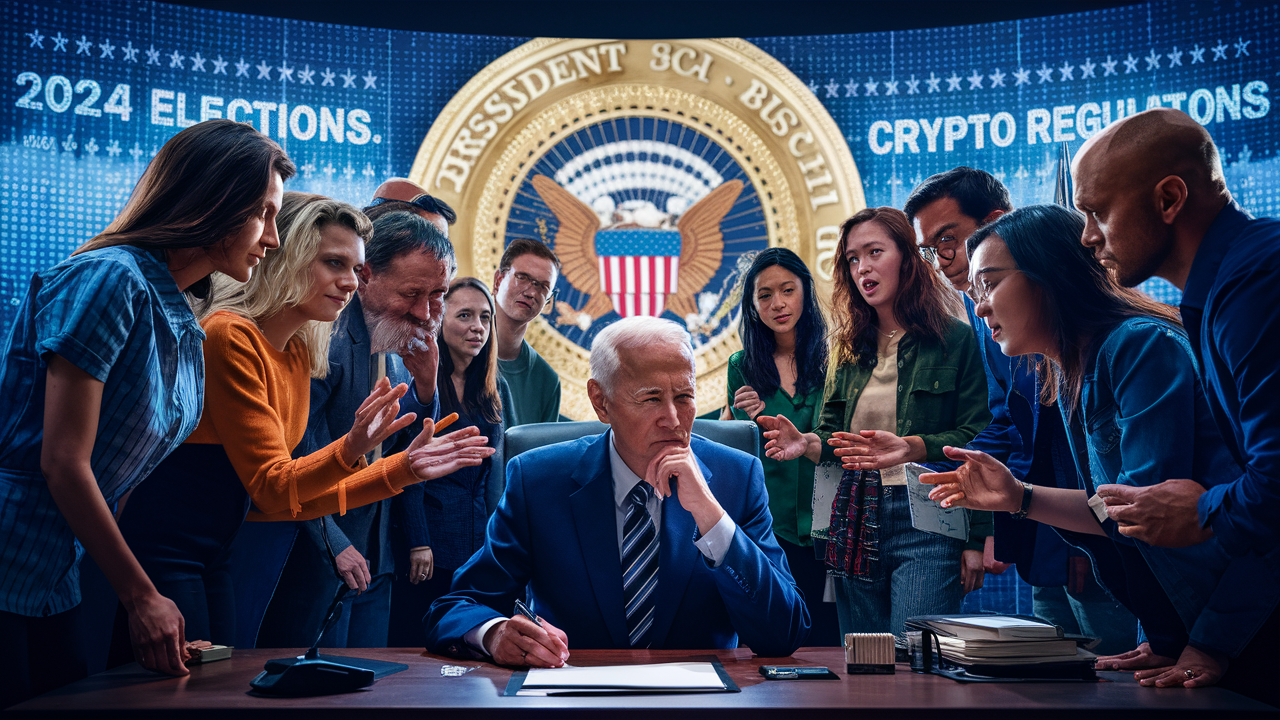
(388, 329)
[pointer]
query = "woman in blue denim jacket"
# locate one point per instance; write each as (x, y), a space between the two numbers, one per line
(1136, 414)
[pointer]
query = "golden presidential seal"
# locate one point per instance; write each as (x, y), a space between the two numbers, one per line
(655, 170)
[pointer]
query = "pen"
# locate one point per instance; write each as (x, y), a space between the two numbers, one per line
(445, 422)
(522, 610)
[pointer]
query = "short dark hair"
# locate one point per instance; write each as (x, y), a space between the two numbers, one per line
(977, 193)
(397, 233)
(424, 203)
(523, 246)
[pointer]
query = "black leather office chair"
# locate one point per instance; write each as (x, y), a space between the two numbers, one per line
(738, 434)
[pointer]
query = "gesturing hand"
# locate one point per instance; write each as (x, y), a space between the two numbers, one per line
(158, 632)
(785, 442)
(871, 450)
(1164, 514)
(748, 401)
(677, 466)
(436, 457)
(981, 483)
(376, 421)
(520, 642)
(353, 568)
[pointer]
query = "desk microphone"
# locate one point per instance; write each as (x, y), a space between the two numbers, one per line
(311, 673)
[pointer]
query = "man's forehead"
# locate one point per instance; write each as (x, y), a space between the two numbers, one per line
(531, 264)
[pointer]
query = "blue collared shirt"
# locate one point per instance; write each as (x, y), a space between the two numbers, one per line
(1230, 311)
(1145, 418)
(117, 314)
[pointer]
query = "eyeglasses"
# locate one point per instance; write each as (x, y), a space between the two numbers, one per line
(541, 290)
(945, 250)
(981, 288)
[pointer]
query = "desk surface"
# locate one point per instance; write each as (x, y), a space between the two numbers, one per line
(219, 687)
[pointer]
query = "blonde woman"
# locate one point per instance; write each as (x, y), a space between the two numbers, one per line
(266, 339)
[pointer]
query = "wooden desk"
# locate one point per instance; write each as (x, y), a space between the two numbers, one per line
(221, 689)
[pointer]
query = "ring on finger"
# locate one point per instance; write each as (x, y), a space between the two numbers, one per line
(1191, 674)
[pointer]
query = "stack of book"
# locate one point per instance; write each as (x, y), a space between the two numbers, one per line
(1006, 646)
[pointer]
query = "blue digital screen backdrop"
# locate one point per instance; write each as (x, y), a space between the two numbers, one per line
(95, 88)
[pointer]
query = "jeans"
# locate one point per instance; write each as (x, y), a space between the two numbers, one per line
(1089, 612)
(918, 574)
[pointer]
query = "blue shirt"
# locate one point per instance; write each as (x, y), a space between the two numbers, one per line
(1145, 418)
(1230, 310)
(117, 314)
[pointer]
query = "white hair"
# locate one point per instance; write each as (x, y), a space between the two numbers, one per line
(636, 331)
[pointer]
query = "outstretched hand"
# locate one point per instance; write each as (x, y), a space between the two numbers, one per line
(433, 457)
(783, 440)
(981, 483)
(376, 421)
(870, 449)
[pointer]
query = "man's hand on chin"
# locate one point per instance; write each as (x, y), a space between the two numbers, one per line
(674, 470)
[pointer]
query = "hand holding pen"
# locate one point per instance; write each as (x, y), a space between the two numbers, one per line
(527, 640)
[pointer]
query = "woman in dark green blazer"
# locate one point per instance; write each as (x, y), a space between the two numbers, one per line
(908, 381)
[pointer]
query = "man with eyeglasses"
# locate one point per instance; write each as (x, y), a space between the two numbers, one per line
(524, 286)
(1026, 436)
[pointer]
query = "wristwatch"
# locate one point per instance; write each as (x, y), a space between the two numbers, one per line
(1026, 502)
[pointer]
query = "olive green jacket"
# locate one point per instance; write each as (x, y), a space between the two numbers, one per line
(942, 398)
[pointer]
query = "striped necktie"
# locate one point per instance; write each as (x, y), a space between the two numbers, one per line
(639, 566)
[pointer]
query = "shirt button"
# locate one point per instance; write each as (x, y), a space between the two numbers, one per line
(899, 363)
(935, 384)
(899, 388)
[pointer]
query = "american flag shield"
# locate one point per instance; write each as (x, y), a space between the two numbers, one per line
(638, 268)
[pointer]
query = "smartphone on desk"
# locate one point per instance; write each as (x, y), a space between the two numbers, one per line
(792, 672)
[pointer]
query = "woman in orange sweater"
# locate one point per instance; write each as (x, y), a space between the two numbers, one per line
(266, 339)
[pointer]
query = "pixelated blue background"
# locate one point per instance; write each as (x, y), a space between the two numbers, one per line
(64, 174)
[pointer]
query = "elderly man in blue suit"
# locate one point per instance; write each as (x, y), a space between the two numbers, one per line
(643, 537)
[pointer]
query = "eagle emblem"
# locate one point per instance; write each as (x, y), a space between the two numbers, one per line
(631, 256)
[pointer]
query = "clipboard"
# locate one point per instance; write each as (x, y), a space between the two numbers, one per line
(727, 685)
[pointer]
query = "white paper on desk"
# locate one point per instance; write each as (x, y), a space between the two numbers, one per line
(928, 515)
(662, 677)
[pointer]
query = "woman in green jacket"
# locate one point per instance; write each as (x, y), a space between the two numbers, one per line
(780, 371)
(909, 381)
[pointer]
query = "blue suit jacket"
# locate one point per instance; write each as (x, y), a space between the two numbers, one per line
(556, 532)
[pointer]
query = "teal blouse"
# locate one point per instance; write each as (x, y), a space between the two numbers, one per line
(790, 483)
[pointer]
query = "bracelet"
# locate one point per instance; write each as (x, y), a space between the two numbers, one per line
(1021, 514)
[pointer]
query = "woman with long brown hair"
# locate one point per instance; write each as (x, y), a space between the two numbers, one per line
(908, 381)
(102, 378)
